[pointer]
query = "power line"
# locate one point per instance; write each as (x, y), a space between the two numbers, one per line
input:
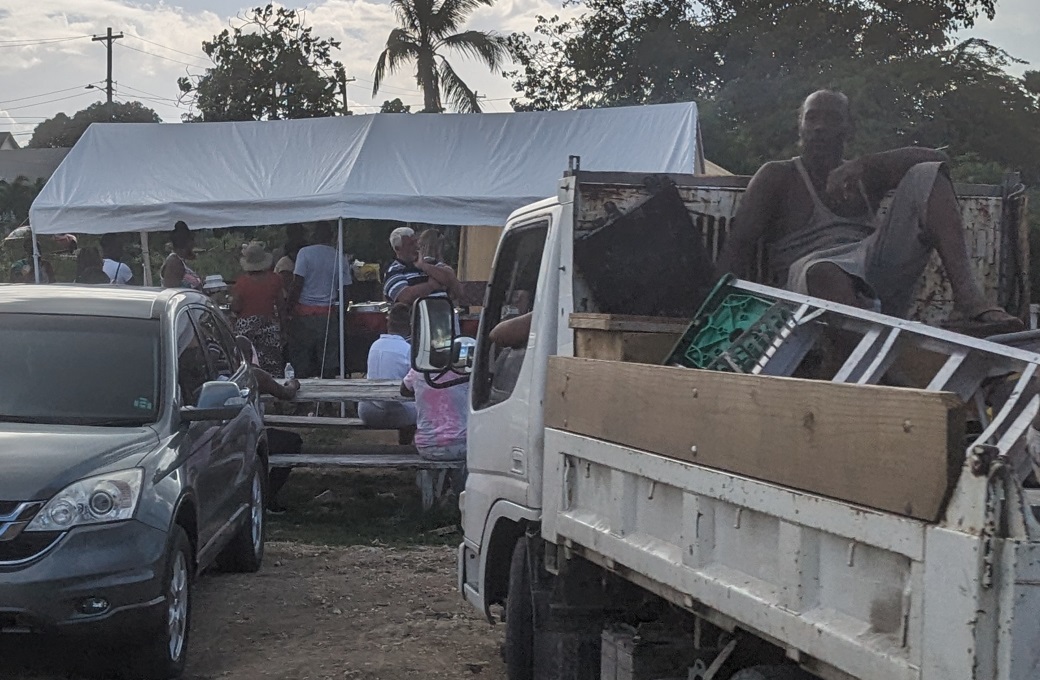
(145, 92)
(45, 94)
(33, 43)
(49, 101)
(392, 88)
(154, 102)
(167, 47)
(46, 40)
(158, 56)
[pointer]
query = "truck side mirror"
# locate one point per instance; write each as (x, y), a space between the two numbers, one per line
(437, 349)
(433, 334)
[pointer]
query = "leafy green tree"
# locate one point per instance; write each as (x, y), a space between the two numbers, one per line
(395, 106)
(269, 67)
(749, 63)
(64, 131)
(428, 30)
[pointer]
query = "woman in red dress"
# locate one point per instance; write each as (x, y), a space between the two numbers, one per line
(257, 298)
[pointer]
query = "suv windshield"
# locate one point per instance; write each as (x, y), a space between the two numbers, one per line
(78, 370)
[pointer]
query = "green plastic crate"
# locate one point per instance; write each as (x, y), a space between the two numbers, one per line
(730, 332)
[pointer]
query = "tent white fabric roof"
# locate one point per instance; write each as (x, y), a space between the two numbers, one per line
(438, 169)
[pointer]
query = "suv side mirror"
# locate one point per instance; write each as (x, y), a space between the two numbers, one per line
(218, 400)
(436, 347)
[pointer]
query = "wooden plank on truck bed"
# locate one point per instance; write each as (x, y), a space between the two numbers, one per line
(642, 348)
(624, 322)
(894, 449)
(618, 337)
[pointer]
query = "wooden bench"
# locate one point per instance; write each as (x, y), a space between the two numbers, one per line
(431, 474)
(430, 477)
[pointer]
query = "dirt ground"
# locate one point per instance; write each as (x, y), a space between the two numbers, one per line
(367, 610)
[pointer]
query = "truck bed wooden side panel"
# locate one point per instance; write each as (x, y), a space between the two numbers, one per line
(896, 450)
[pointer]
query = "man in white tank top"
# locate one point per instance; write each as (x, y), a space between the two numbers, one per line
(817, 215)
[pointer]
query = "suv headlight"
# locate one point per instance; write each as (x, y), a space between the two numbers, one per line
(95, 500)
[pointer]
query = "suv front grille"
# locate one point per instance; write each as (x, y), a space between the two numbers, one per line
(26, 546)
(7, 507)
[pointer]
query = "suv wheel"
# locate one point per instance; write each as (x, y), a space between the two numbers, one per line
(163, 656)
(245, 552)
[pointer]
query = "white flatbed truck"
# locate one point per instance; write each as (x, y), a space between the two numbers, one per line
(630, 520)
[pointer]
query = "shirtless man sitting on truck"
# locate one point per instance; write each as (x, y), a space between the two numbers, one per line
(818, 215)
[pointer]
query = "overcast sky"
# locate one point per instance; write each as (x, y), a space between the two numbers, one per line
(163, 41)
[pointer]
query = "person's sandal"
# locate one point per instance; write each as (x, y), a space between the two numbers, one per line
(989, 321)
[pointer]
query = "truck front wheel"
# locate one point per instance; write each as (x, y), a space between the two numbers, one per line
(519, 647)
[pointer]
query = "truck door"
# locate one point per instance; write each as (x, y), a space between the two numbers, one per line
(503, 389)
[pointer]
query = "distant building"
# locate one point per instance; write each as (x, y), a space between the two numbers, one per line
(8, 142)
(33, 164)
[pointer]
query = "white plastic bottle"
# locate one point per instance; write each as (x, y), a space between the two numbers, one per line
(290, 372)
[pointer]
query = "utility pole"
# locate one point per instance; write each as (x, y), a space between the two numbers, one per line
(108, 40)
(343, 80)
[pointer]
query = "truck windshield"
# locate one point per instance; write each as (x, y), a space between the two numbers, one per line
(78, 370)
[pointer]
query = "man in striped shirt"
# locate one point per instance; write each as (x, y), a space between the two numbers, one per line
(410, 277)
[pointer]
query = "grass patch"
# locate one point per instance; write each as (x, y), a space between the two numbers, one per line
(364, 507)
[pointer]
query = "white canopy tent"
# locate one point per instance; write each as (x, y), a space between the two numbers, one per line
(436, 169)
(458, 170)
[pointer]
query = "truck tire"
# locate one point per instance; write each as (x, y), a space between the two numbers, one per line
(519, 646)
(786, 672)
(245, 552)
(162, 657)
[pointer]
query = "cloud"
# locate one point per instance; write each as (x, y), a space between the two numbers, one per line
(163, 42)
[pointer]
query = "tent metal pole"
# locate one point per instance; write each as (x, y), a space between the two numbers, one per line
(342, 312)
(146, 259)
(36, 254)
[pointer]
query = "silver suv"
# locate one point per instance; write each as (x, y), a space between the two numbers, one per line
(132, 456)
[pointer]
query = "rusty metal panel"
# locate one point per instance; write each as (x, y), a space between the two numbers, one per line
(981, 216)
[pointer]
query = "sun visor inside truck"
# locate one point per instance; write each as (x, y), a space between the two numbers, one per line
(650, 261)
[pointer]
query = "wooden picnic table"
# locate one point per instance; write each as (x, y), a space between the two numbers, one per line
(431, 473)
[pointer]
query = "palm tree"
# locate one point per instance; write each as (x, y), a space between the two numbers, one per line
(428, 28)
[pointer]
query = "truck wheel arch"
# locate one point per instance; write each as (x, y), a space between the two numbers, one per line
(506, 523)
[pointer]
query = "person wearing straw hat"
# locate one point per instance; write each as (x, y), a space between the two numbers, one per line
(258, 300)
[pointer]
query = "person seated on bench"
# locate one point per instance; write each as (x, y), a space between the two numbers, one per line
(390, 358)
(818, 215)
(278, 441)
(442, 414)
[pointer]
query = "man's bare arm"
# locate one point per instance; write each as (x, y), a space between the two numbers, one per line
(755, 216)
(445, 276)
(419, 290)
(879, 172)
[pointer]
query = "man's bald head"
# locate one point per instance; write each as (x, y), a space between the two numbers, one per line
(831, 99)
(824, 122)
